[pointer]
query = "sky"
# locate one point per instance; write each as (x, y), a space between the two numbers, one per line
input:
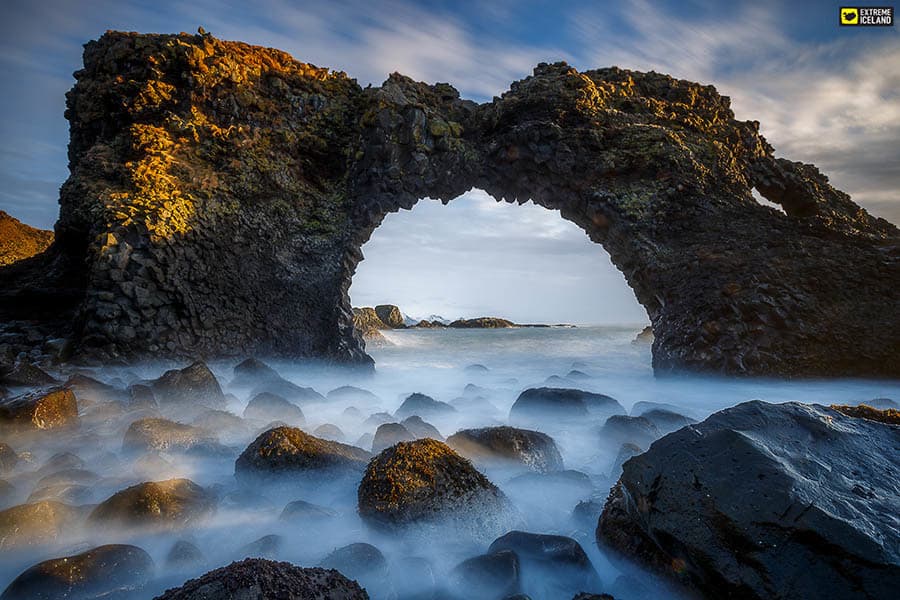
(824, 94)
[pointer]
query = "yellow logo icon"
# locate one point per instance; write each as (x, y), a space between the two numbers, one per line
(849, 16)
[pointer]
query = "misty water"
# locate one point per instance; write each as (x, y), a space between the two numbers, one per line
(433, 362)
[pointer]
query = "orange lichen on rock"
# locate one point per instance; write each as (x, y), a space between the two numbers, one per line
(863, 411)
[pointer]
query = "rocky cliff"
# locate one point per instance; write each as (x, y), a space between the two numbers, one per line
(220, 194)
(19, 241)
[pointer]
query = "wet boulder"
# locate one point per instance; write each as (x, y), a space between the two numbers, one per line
(288, 450)
(8, 458)
(141, 397)
(421, 429)
(268, 546)
(48, 409)
(552, 566)
(425, 482)
(329, 431)
(227, 425)
(390, 315)
(538, 405)
(36, 524)
(184, 555)
(301, 510)
(260, 378)
(169, 436)
(508, 446)
(349, 393)
(389, 434)
(260, 578)
(7, 493)
(24, 374)
(192, 386)
(667, 421)
(67, 493)
(486, 577)
(423, 406)
(623, 429)
(169, 504)
(251, 372)
(102, 572)
(61, 461)
(626, 451)
(91, 391)
(270, 407)
(765, 501)
(363, 563)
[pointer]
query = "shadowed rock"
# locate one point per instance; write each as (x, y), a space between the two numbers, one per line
(389, 434)
(288, 450)
(24, 374)
(486, 577)
(269, 407)
(623, 429)
(423, 406)
(301, 510)
(667, 421)
(165, 435)
(194, 385)
(19, 241)
(184, 555)
(390, 315)
(421, 429)
(8, 458)
(508, 446)
(89, 390)
(101, 572)
(765, 501)
(538, 405)
(260, 578)
(329, 431)
(364, 563)
(50, 409)
(424, 482)
(170, 504)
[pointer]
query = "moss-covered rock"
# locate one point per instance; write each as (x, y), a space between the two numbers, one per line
(169, 504)
(286, 451)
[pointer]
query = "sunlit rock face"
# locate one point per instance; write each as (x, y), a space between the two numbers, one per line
(220, 194)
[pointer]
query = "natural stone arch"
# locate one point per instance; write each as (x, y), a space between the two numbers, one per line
(220, 194)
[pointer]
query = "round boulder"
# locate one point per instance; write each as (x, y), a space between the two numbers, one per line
(194, 386)
(112, 570)
(536, 406)
(269, 407)
(36, 524)
(48, 409)
(389, 434)
(423, 406)
(165, 435)
(285, 450)
(425, 482)
(508, 446)
(173, 503)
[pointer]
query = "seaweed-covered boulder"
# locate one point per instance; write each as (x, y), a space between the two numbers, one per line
(425, 482)
(46, 409)
(423, 406)
(194, 385)
(389, 434)
(165, 435)
(486, 577)
(624, 429)
(552, 566)
(8, 458)
(537, 406)
(263, 579)
(765, 501)
(115, 570)
(36, 524)
(288, 450)
(269, 407)
(169, 504)
(508, 446)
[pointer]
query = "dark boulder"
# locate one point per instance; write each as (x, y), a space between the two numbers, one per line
(168, 436)
(89, 390)
(537, 406)
(421, 429)
(486, 577)
(626, 451)
(260, 579)
(114, 570)
(288, 450)
(7, 493)
(423, 406)
(226, 425)
(25, 374)
(482, 323)
(268, 546)
(363, 563)
(251, 372)
(8, 458)
(49, 409)
(389, 434)
(765, 501)
(301, 510)
(623, 429)
(169, 504)
(552, 566)
(425, 482)
(329, 431)
(67, 493)
(349, 393)
(882, 403)
(194, 385)
(269, 407)
(184, 555)
(667, 421)
(36, 524)
(507, 446)
(141, 397)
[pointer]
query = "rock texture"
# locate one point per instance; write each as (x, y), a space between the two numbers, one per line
(19, 241)
(508, 446)
(765, 501)
(186, 149)
(115, 570)
(261, 579)
(48, 409)
(174, 503)
(425, 482)
(288, 450)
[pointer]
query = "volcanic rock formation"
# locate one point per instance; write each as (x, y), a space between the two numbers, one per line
(19, 241)
(220, 193)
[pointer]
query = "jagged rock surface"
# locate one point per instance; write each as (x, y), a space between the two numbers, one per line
(765, 501)
(185, 149)
(19, 241)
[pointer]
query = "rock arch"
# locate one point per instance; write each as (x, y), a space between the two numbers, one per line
(220, 194)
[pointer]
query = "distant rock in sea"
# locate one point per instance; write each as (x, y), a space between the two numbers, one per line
(482, 323)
